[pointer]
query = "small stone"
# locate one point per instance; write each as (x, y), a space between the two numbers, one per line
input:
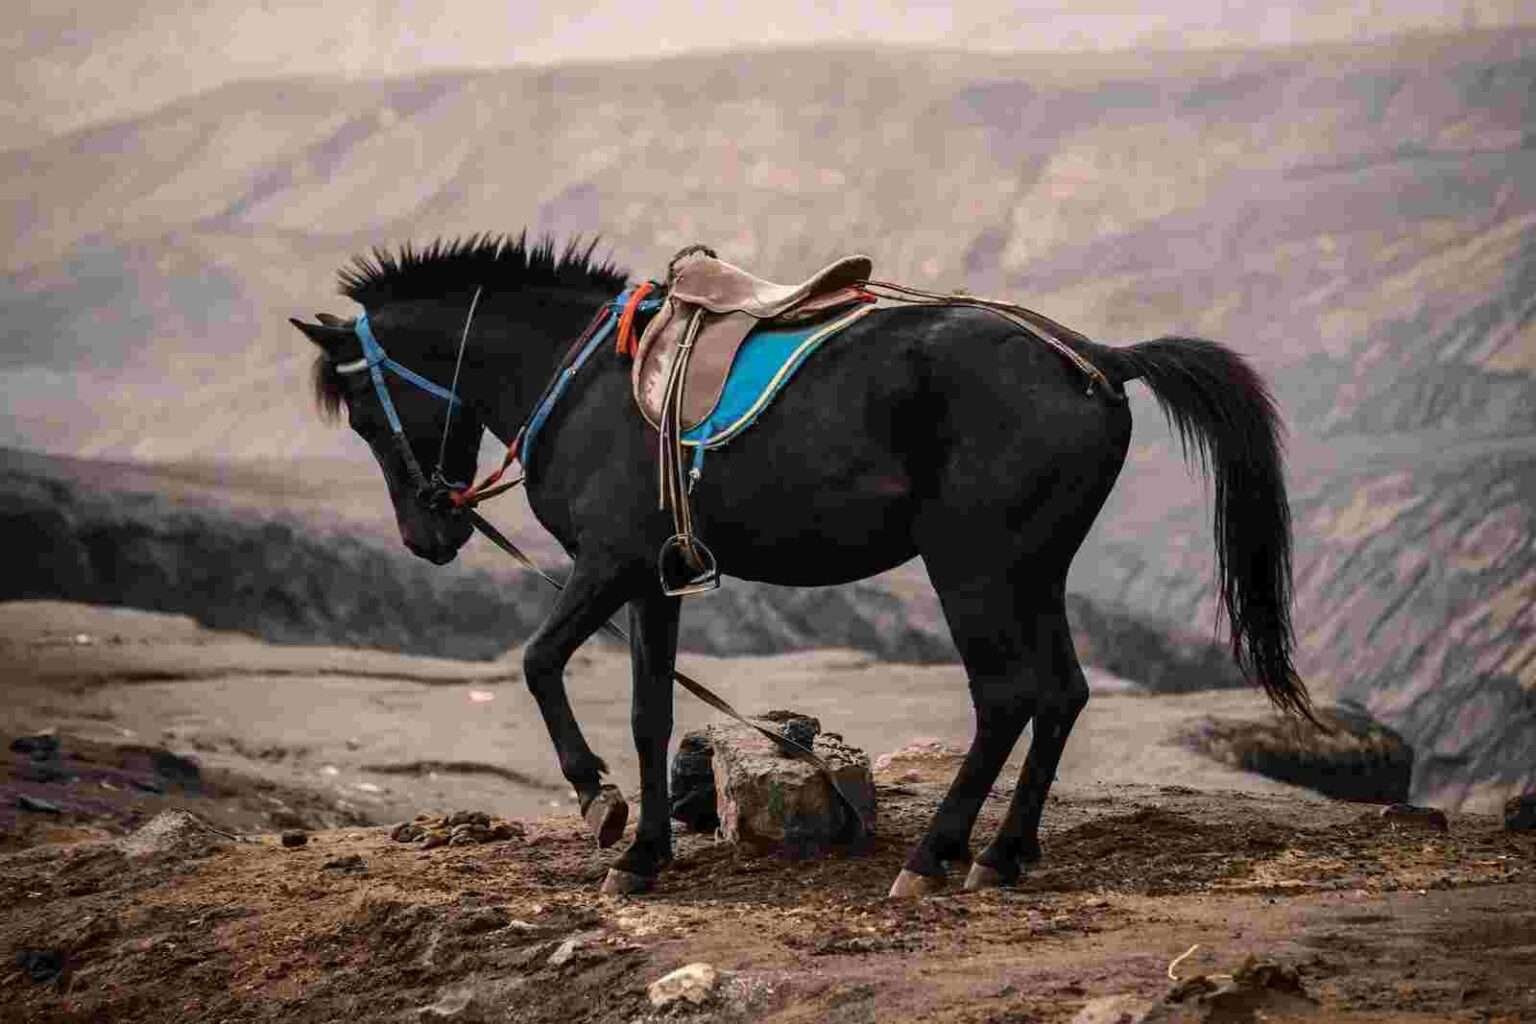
(475, 831)
(468, 818)
(174, 833)
(37, 805)
(1416, 817)
(39, 746)
(694, 983)
(1520, 813)
(1120, 1009)
(41, 965)
(406, 832)
(504, 830)
(294, 838)
(432, 840)
(350, 864)
(563, 952)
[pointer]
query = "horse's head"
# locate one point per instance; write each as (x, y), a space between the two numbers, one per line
(423, 437)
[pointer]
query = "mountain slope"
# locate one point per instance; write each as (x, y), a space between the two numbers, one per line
(1358, 220)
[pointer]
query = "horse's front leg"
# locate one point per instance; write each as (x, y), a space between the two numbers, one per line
(586, 603)
(653, 649)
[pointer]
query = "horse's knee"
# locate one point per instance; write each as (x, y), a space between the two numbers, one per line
(541, 662)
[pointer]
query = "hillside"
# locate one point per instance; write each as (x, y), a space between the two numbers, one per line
(1360, 220)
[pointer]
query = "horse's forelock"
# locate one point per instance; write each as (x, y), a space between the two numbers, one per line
(327, 386)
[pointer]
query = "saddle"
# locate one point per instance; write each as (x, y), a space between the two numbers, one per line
(684, 357)
(721, 304)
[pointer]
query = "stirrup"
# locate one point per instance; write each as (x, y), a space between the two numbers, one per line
(692, 555)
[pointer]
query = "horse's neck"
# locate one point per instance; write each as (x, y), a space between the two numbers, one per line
(515, 373)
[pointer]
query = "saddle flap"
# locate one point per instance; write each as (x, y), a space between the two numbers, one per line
(713, 352)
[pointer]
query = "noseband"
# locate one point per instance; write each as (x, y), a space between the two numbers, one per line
(434, 492)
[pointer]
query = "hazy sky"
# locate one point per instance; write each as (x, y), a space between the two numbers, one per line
(64, 64)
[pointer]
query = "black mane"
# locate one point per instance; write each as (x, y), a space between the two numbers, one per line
(463, 264)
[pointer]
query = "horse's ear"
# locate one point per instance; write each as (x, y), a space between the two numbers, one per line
(328, 337)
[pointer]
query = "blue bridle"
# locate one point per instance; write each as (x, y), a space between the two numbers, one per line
(375, 360)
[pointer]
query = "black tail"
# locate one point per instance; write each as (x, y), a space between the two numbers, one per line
(1227, 422)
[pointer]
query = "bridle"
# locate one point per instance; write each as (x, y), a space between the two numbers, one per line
(435, 492)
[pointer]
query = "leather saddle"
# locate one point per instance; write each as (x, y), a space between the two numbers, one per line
(711, 307)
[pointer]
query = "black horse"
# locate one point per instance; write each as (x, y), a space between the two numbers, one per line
(944, 432)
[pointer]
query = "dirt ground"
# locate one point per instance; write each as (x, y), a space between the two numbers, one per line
(1382, 922)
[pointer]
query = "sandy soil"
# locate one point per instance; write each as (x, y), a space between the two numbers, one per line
(390, 734)
(1149, 850)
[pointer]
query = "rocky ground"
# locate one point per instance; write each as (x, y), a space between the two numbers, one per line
(1150, 850)
(1380, 923)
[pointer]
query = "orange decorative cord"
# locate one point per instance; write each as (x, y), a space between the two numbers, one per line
(628, 344)
(472, 496)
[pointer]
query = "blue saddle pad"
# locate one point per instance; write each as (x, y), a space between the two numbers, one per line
(764, 363)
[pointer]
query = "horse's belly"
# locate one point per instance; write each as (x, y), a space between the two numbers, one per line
(812, 540)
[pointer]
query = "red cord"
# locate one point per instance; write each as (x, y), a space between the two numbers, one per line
(628, 344)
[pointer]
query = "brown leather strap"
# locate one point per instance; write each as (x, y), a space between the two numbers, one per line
(1036, 325)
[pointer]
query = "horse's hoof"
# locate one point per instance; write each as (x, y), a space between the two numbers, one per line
(910, 885)
(607, 815)
(982, 877)
(625, 883)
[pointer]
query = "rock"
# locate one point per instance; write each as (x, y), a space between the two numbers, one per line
(41, 965)
(433, 839)
(504, 830)
(37, 805)
(176, 769)
(1125, 1008)
(1358, 759)
(174, 833)
(797, 728)
(351, 864)
(692, 784)
(694, 984)
(1258, 990)
(767, 800)
(294, 838)
(1520, 813)
(480, 920)
(468, 818)
(39, 746)
(407, 832)
(475, 1001)
(922, 760)
(1415, 817)
(565, 951)
(469, 832)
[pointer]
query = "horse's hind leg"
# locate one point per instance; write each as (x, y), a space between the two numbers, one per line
(1018, 838)
(994, 628)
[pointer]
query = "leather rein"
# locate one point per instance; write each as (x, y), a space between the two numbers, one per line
(439, 494)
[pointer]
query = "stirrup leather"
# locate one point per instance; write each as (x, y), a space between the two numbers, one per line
(700, 573)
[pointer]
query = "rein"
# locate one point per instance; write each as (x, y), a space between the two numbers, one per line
(623, 309)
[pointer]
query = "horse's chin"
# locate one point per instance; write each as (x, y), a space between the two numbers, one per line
(442, 557)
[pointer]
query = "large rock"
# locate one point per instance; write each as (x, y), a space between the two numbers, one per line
(767, 800)
(1357, 759)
